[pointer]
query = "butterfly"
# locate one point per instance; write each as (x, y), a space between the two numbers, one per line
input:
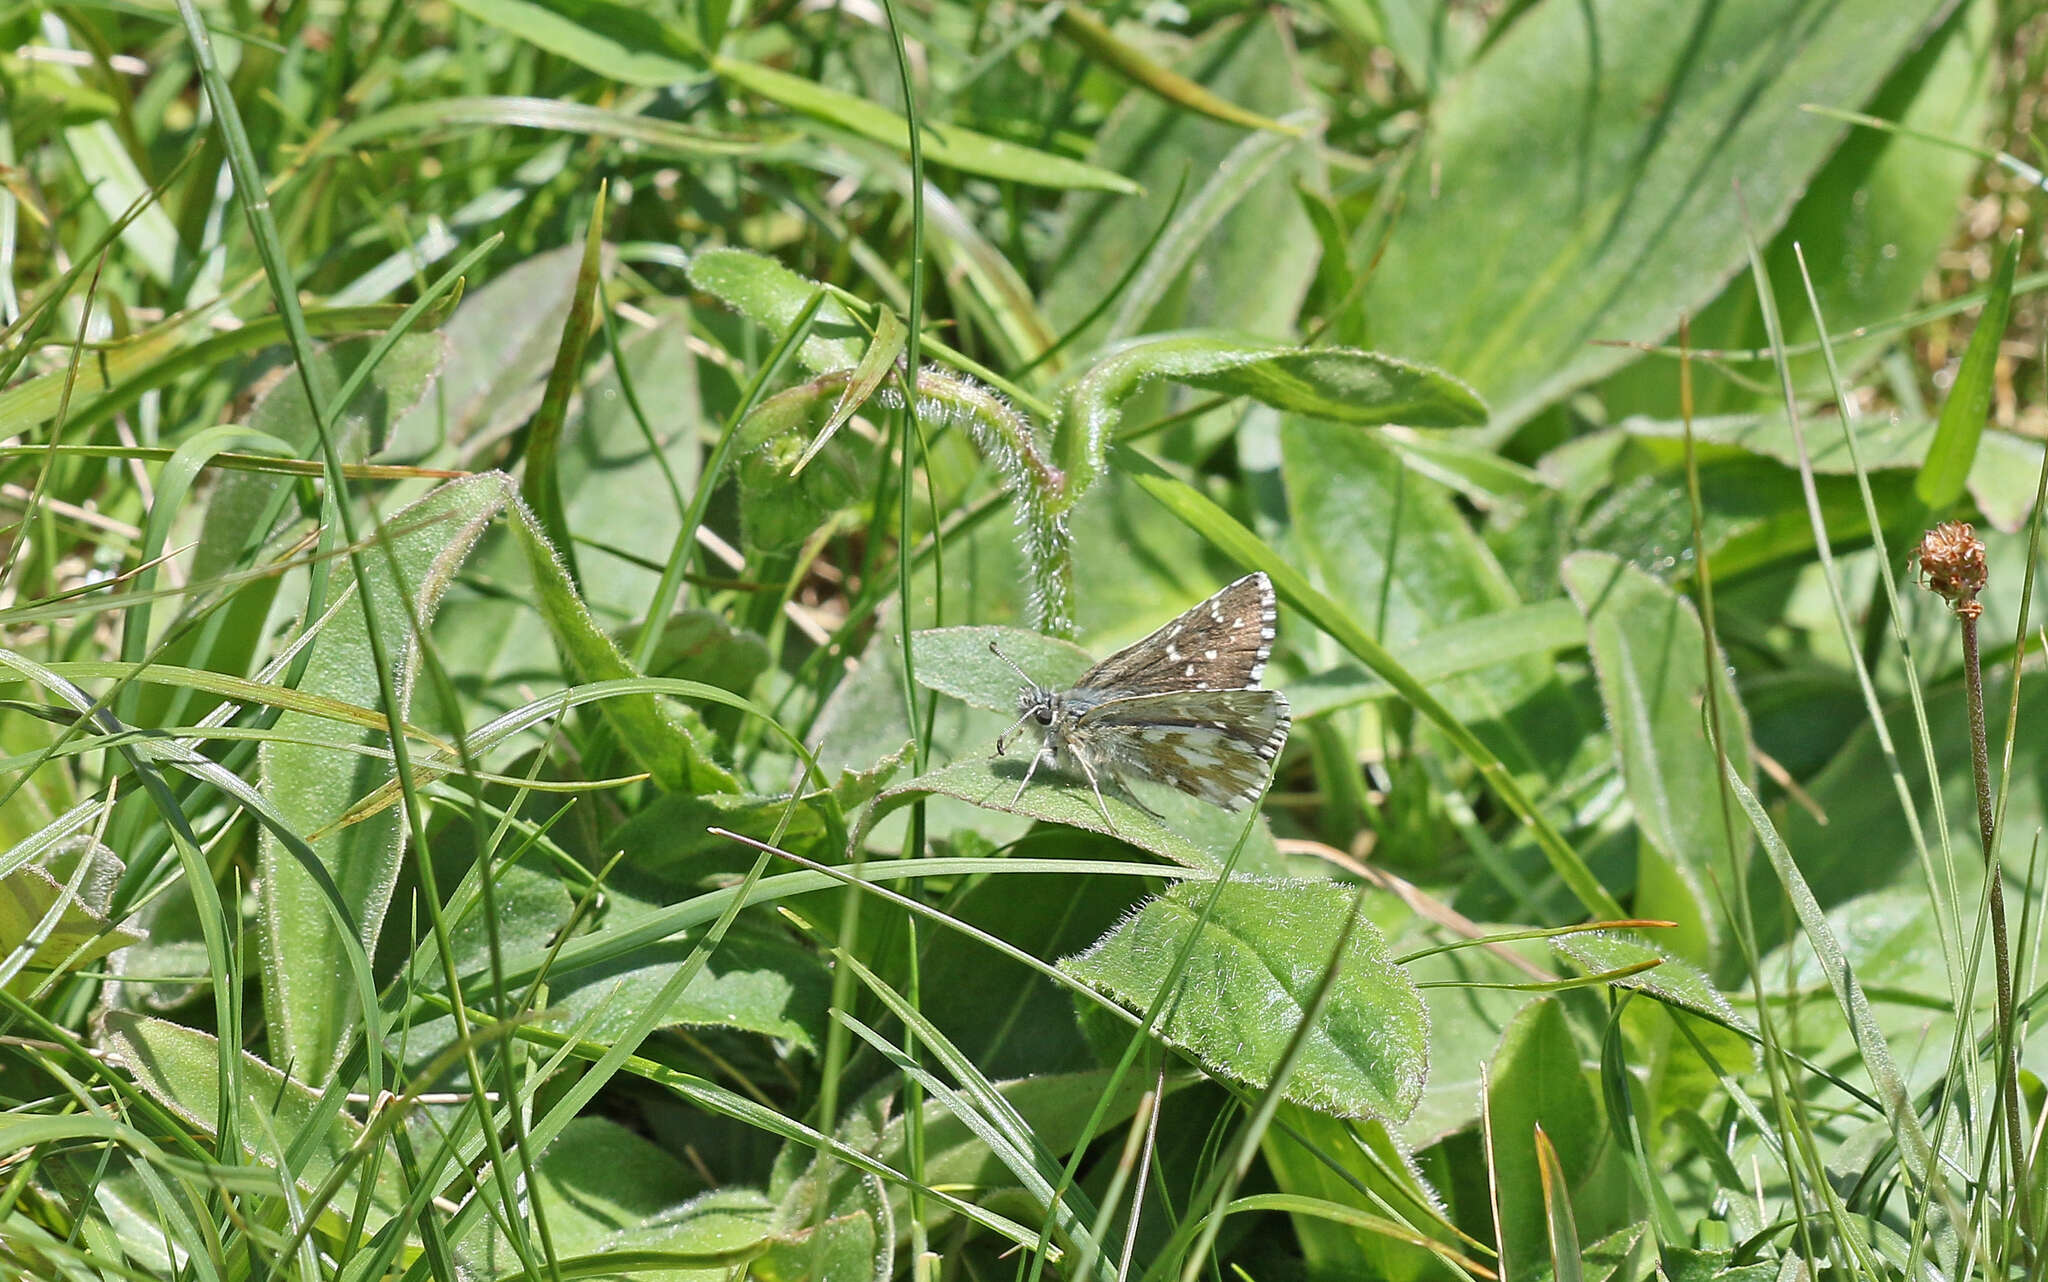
(1179, 708)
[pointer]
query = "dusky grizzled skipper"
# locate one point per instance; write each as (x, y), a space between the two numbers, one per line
(1179, 708)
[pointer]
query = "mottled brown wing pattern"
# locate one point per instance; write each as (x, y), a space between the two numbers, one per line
(1218, 745)
(1220, 644)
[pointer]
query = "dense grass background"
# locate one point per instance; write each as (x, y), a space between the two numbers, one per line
(496, 719)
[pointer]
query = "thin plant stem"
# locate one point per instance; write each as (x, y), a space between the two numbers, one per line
(1953, 567)
(2001, 950)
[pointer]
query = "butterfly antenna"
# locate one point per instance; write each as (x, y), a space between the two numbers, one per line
(1013, 665)
(1003, 739)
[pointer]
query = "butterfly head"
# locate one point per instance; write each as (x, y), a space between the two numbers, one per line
(1035, 703)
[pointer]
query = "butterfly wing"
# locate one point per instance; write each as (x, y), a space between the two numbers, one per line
(1218, 745)
(1220, 644)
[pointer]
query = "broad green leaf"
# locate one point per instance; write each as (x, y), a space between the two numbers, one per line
(1673, 981)
(625, 483)
(32, 942)
(795, 471)
(1868, 228)
(618, 41)
(500, 341)
(1316, 382)
(1954, 450)
(958, 662)
(1483, 641)
(1649, 654)
(758, 980)
(244, 507)
(309, 1000)
(1538, 1079)
(1251, 970)
(1753, 515)
(612, 1195)
(1192, 833)
(180, 1068)
(1254, 255)
(1576, 182)
(944, 144)
(117, 376)
(646, 727)
(772, 296)
(1393, 549)
(2002, 476)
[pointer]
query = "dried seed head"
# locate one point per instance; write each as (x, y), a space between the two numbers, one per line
(1952, 566)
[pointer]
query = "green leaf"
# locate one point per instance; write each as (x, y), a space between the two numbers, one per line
(646, 729)
(618, 41)
(439, 118)
(1435, 657)
(796, 472)
(1193, 833)
(501, 341)
(1088, 31)
(1253, 965)
(758, 981)
(1949, 459)
(611, 1194)
(1317, 382)
(957, 662)
(2002, 475)
(1576, 182)
(1649, 654)
(1537, 1080)
(1393, 549)
(946, 145)
(1255, 253)
(180, 1068)
(772, 296)
(33, 943)
(1673, 981)
(309, 999)
(1868, 230)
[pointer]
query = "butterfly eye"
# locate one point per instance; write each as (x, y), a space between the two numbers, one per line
(1044, 714)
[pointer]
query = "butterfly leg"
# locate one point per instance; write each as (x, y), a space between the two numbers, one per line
(1095, 783)
(1029, 771)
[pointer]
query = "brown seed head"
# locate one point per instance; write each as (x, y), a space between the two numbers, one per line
(1952, 566)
